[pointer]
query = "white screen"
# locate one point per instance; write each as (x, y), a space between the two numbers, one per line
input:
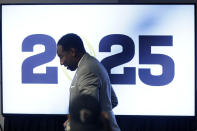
(174, 23)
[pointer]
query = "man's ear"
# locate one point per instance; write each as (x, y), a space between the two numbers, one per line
(73, 52)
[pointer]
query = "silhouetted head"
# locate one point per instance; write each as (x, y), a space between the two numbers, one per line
(85, 114)
(70, 49)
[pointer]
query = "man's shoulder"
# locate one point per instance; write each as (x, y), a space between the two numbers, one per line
(90, 64)
(90, 61)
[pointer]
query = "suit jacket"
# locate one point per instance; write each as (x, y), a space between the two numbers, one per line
(91, 78)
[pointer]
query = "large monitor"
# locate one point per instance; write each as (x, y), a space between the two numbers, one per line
(147, 49)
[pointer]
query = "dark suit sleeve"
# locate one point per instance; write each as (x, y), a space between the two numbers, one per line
(89, 84)
(114, 99)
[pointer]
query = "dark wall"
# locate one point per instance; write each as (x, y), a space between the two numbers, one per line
(156, 1)
(126, 123)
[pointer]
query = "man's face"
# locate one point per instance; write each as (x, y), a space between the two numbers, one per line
(66, 58)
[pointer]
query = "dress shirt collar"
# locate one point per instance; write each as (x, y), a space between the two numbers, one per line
(81, 59)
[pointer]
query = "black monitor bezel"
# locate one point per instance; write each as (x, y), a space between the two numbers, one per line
(121, 2)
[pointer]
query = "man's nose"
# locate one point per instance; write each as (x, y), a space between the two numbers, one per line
(61, 62)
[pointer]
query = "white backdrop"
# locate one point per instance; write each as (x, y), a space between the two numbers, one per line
(92, 23)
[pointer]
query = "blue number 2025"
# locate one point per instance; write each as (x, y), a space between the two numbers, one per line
(129, 76)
